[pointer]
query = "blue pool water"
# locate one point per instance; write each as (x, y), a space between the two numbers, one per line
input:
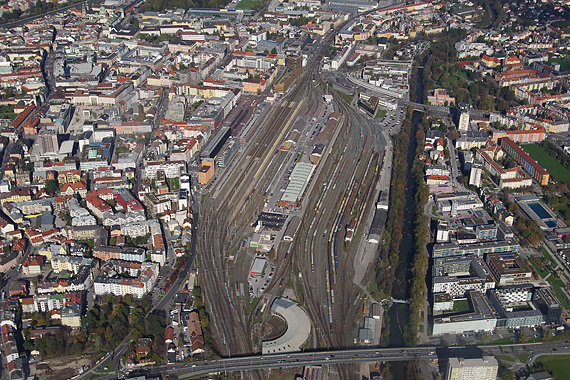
(539, 210)
(551, 223)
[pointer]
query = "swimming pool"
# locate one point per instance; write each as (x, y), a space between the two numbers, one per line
(539, 210)
(551, 223)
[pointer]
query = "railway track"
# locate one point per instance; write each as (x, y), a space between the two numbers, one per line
(226, 219)
(227, 215)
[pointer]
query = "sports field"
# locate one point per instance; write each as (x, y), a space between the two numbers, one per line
(247, 4)
(557, 171)
(558, 365)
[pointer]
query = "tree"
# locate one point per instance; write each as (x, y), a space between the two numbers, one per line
(51, 186)
(533, 238)
(487, 103)
(8, 93)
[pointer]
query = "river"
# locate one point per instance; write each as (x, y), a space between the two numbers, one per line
(398, 313)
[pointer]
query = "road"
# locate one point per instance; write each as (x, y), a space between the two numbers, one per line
(373, 354)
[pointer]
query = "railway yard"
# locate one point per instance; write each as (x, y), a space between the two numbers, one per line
(316, 190)
(315, 267)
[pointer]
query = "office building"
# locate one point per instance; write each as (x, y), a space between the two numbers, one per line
(484, 368)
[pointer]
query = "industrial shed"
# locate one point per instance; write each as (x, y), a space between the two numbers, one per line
(298, 182)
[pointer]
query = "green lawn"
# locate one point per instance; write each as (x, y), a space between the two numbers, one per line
(557, 365)
(559, 172)
(548, 257)
(523, 357)
(557, 284)
(505, 358)
(538, 267)
(347, 98)
(500, 341)
(247, 4)
(564, 63)
(460, 306)
(380, 113)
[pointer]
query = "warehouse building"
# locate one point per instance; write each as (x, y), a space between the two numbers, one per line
(258, 266)
(300, 177)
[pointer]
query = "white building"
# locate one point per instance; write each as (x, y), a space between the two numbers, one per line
(69, 263)
(140, 228)
(158, 256)
(119, 219)
(475, 175)
(119, 286)
(171, 169)
(484, 368)
(85, 220)
(480, 318)
(463, 121)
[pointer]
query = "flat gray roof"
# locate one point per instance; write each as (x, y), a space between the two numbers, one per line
(298, 328)
(298, 181)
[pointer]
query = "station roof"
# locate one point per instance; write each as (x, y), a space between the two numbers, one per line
(298, 181)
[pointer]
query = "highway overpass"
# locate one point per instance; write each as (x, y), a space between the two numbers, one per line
(372, 354)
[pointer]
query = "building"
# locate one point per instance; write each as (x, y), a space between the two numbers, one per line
(480, 318)
(71, 316)
(69, 263)
(484, 368)
(442, 302)
(206, 172)
(459, 202)
(195, 333)
(470, 139)
(463, 124)
(478, 249)
(32, 265)
(257, 267)
(508, 268)
(548, 305)
(138, 285)
(170, 169)
(106, 253)
(367, 332)
(440, 98)
(537, 172)
(486, 231)
(513, 307)
(475, 175)
(522, 137)
(457, 276)
(298, 182)
(294, 62)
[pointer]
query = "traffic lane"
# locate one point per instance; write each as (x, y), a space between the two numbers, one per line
(363, 355)
(302, 357)
(193, 371)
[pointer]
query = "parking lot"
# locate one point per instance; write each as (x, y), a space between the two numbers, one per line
(258, 284)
